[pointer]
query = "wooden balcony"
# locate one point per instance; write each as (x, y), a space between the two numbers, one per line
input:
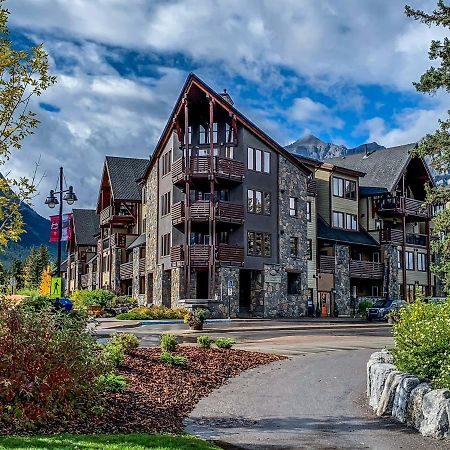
(117, 215)
(142, 266)
(126, 270)
(200, 167)
(366, 269)
(311, 187)
(326, 263)
(84, 280)
(395, 236)
(199, 212)
(200, 255)
(389, 206)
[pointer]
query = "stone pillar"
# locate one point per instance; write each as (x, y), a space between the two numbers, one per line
(177, 286)
(135, 285)
(275, 290)
(342, 280)
(391, 285)
(157, 285)
(116, 259)
(226, 303)
(90, 276)
(257, 293)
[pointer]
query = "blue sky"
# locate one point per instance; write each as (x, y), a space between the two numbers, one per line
(340, 70)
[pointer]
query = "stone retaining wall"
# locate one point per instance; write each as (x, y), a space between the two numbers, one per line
(406, 398)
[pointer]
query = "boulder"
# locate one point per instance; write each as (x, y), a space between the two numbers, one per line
(386, 401)
(414, 414)
(377, 358)
(377, 374)
(402, 396)
(435, 410)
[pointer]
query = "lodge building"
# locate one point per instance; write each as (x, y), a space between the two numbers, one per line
(223, 217)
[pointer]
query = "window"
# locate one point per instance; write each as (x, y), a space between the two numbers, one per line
(378, 224)
(259, 244)
(293, 206)
(375, 291)
(309, 249)
(229, 133)
(350, 189)
(308, 211)
(410, 292)
(338, 187)
(258, 202)
(165, 244)
(203, 137)
(338, 219)
(294, 283)
(293, 246)
(376, 257)
(351, 222)
(223, 237)
(258, 160)
(165, 204)
(409, 260)
(215, 132)
(421, 262)
(229, 152)
(166, 162)
(190, 135)
(399, 258)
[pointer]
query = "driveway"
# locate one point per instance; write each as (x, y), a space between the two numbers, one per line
(314, 401)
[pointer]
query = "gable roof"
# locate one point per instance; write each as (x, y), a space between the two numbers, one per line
(191, 80)
(383, 167)
(328, 233)
(124, 174)
(86, 225)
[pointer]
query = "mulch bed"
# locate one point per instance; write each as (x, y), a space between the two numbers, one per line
(159, 396)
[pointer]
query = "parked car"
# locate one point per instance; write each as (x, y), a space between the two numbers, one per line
(382, 308)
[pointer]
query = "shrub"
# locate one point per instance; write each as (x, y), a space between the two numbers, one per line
(127, 341)
(168, 342)
(113, 355)
(36, 301)
(152, 313)
(173, 360)
(195, 318)
(204, 341)
(111, 382)
(84, 298)
(225, 342)
(422, 341)
(48, 367)
(363, 306)
(123, 300)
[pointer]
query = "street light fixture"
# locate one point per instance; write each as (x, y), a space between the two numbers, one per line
(52, 201)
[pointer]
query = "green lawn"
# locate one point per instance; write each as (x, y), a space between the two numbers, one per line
(106, 442)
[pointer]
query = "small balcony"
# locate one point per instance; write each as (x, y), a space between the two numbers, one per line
(200, 212)
(200, 167)
(366, 269)
(311, 187)
(389, 206)
(326, 263)
(201, 255)
(126, 270)
(117, 215)
(395, 236)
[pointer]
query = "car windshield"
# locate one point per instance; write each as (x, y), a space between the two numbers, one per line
(382, 303)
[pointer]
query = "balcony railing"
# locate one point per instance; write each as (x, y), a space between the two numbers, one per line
(311, 187)
(142, 266)
(395, 236)
(366, 269)
(399, 205)
(117, 214)
(84, 280)
(199, 212)
(326, 263)
(200, 255)
(200, 166)
(126, 270)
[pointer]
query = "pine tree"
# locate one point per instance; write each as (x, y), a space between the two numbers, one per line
(436, 146)
(17, 273)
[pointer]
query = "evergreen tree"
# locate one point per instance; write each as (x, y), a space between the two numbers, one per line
(3, 279)
(16, 272)
(436, 146)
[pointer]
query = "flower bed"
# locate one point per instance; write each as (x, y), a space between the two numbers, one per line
(159, 396)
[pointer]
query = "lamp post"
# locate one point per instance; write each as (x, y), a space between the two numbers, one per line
(51, 201)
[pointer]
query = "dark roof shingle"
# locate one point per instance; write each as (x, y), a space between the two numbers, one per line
(124, 174)
(383, 167)
(85, 226)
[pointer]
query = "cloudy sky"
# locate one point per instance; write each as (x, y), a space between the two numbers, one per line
(340, 70)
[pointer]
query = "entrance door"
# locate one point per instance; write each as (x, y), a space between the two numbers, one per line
(325, 303)
(202, 285)
(245, 290)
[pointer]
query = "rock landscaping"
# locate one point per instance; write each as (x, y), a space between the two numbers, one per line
(158, 396)
(405, 398)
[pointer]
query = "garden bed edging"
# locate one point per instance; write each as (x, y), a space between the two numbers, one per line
(404, 397)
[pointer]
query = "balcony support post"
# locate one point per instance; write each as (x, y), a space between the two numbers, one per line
(187, 195)
(212, 221)
(404, 255)
(428, 233)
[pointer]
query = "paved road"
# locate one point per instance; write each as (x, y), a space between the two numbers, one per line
(315, 401)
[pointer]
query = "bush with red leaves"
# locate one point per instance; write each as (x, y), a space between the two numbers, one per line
(48, 367)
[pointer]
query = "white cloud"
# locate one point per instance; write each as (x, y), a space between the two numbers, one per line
(307, 112)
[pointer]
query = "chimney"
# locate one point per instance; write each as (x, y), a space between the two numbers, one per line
(227, 97)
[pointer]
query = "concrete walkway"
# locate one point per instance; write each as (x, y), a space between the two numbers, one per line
(314, 401)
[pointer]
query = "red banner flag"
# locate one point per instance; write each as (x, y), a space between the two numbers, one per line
(66, 228)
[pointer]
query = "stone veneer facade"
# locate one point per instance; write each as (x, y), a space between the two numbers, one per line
(342, 280)
(391, 283)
